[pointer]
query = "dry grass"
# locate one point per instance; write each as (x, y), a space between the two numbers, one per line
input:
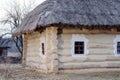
(25, 74)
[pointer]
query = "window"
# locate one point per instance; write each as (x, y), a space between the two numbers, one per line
(118, 47)
(3, 52)
(42, 46)
(43, 50)
(79, 47)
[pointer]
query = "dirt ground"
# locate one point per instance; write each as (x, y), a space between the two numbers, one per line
(25, 74)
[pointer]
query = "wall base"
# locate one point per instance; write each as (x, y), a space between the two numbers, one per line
(95, 70)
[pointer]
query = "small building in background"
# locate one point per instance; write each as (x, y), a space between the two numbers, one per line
(9, 51)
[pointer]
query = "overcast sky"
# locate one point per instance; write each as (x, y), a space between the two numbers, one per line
(5, 4)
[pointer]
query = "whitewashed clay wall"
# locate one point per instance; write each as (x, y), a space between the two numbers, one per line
(99, 55)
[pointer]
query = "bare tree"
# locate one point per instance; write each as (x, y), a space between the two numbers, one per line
(15, 13)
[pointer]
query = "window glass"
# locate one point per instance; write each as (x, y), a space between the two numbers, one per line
(43, 50)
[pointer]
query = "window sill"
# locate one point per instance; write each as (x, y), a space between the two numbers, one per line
(79, 55)
(117, 55)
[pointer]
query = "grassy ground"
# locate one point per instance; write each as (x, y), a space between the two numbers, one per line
(24, 74)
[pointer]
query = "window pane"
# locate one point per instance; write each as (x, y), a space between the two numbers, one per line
(81, 52)
(118, 44)
(81, 48)
(81, 43)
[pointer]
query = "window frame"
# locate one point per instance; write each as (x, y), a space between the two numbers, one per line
(79, 38)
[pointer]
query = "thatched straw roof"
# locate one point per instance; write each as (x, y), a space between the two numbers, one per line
(73, 12)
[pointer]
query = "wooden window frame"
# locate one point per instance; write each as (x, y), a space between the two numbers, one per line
(79, 47)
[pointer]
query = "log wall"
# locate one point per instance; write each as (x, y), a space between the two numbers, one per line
(51, 50)
(34, 57)
(100, 51)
